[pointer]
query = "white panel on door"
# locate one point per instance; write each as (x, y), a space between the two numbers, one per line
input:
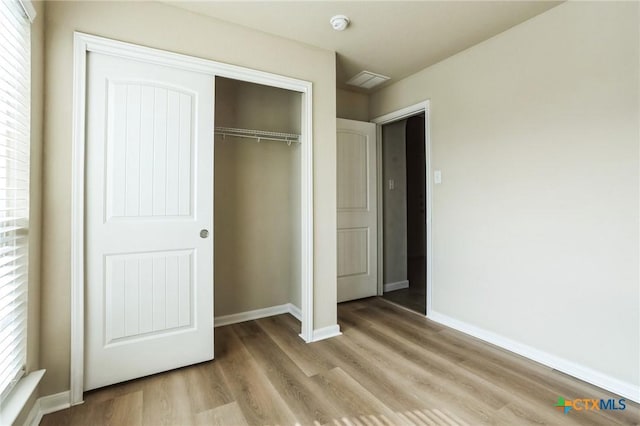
(173, 138)
(117, 154)
(132, 286)
(353, 171)
(184, 164)
(147, 119)
(355, 242)
(131, 147)
(149, 150)
(159, 296)
(147, 288)
(131, 300)
(160, 125)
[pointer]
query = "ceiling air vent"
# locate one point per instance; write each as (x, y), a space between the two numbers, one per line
(367, 79)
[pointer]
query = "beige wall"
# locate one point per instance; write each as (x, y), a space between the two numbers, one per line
(394, 202)
(352, 105)
(535, 224)
(257, 202)
(172, 29)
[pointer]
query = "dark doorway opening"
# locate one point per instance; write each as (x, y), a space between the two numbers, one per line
(405, 248)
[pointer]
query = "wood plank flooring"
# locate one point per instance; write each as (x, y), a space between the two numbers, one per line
(410, 298)
(390, 367)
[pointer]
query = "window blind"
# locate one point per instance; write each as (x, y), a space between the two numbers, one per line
(15, 97)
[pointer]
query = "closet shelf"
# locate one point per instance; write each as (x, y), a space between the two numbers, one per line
(258, 134)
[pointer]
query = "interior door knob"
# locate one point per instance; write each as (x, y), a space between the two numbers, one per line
(204, 233)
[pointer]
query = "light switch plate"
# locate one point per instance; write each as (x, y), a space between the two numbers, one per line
(392, 184)
(437, 176)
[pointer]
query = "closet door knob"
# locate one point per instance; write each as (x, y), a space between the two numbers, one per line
(204, 233)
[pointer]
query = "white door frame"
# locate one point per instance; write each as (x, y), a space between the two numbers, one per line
(85, 43)
(390, 118)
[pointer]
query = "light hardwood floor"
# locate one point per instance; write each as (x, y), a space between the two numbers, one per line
(390, 367)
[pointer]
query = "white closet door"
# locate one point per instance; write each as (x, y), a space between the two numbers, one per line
(357, 210)
(149, 218)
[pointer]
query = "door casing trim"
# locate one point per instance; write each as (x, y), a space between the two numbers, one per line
(85, 43)
(387, 119)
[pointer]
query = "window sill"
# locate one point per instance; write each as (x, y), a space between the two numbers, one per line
(15, 402)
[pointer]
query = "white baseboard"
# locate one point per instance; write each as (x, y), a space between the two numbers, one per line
(396, 286)
(325, 333)
(46, 405)
(287, 308)
(55, 402)
(295, 311)
(597, 378)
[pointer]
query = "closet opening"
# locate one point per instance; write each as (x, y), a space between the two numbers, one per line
(257, 201)
(404, 205)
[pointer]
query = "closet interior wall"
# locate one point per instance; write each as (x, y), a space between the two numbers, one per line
(257, 199)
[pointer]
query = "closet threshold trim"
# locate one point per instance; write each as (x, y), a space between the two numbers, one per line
(258, 134)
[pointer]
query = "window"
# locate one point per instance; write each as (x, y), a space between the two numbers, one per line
(15, 97)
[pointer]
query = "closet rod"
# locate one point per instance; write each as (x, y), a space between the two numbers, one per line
(258, 134)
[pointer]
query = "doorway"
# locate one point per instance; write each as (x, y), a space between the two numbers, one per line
(404, 248)
(404, 208)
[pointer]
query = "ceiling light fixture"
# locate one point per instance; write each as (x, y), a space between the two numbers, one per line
(339, 22)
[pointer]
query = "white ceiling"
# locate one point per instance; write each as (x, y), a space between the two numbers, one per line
(394, 38)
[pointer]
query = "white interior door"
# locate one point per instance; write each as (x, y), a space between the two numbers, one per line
(357, 220)
(149, 217)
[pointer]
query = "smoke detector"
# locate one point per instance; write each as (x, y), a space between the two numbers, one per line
(339, 22)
